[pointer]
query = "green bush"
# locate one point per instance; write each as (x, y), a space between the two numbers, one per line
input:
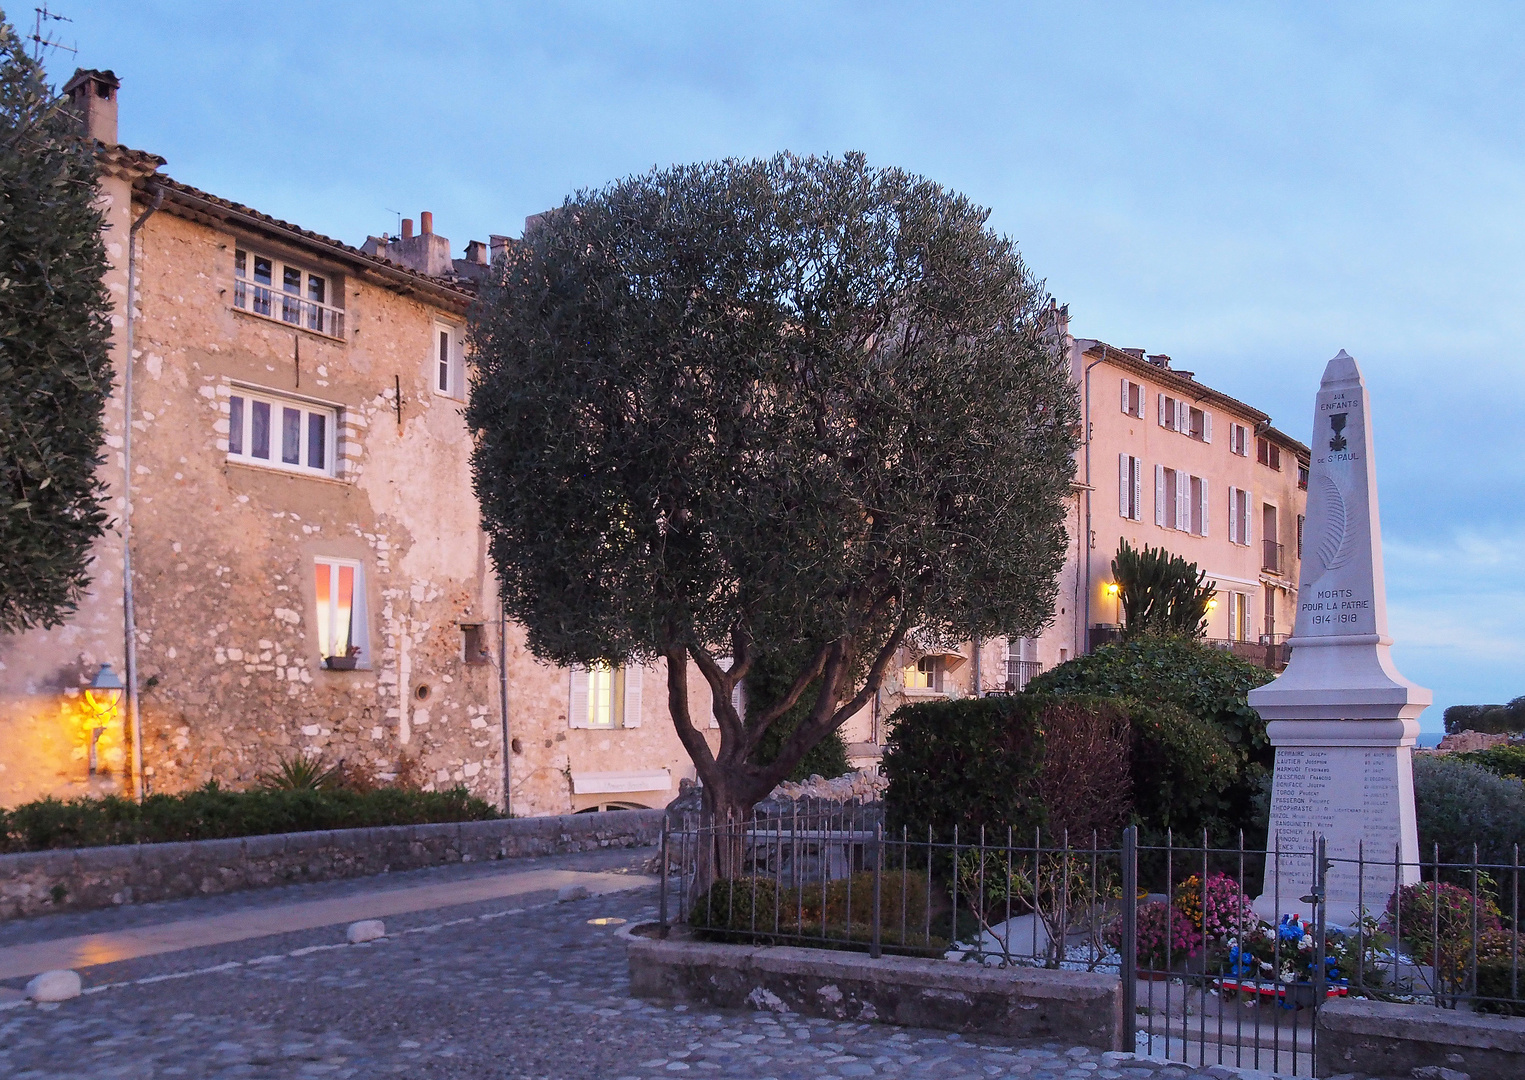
(842, 910)
(970, 762)
(1206, 684)
(1460, 804)
(1492, 719)
(1507, 760)
(1186, 777)
(212, 812)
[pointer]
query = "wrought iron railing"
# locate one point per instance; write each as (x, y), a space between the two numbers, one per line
(289, 308)
(1271, 556)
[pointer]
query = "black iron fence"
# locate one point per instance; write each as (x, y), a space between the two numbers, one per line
(1216, 967)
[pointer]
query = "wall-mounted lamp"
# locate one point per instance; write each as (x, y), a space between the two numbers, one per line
(102, 695)
(1212, 605)
(1111, 588)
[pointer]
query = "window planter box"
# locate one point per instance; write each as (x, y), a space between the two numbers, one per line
(340, 663)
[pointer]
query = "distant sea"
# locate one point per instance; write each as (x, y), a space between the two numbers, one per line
(1429, 738)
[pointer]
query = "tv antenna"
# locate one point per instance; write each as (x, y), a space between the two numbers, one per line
(40, 38)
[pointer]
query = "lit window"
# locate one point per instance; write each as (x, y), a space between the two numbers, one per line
(297, 436)
(343, 641)
(603, 696)
(300, 298)
(925, 674)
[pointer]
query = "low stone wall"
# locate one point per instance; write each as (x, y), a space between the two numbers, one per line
(1022, 1003)
(80, 879)
(1377, 1038)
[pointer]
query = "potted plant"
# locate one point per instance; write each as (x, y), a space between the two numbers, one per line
(346, 662)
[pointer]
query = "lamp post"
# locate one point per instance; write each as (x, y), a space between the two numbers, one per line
(102, 695)
(1116, 594)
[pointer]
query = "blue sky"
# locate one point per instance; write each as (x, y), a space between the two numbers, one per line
(1247, 187)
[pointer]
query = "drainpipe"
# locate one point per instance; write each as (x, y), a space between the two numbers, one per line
(1085, 545)
(129, 613)
(508, 746)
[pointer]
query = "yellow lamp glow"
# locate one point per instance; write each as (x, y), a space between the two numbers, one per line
(1212, 604)
(1111, 588)
(104, 691)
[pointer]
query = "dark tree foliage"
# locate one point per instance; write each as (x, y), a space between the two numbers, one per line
(740, 407)
(55, 371)
(1493, 719)
(770, 681)
(1161, 593)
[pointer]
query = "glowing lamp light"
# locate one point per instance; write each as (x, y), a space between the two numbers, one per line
(1212, 605)
(104, 691)
(1111, 588)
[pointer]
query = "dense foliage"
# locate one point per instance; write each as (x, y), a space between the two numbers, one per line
(1161, 593)
(1203, 684)
(55, 371)
(1507, 760)
(211, 812)
(768, 683)
(1460, 804)
(1494, 719)
(740, 407)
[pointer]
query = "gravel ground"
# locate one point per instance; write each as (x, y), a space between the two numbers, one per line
(531, 989)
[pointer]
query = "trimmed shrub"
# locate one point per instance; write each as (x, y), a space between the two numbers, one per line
(1460, 804)
(212, 812)
(1186, 777)
(746, 908)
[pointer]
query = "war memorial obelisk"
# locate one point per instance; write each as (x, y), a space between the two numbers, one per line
(1342, 720)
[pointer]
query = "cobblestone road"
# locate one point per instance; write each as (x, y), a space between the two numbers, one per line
(532, 989)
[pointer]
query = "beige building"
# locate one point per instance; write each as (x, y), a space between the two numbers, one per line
(310, 575)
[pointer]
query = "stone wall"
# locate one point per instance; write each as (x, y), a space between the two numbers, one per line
(80, 879)
(1021, 1003)
(1377, 1038)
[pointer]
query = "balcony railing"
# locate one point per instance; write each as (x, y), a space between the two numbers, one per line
(1271, 555)
(271, 303)
(1270, 652)
(1018, 674)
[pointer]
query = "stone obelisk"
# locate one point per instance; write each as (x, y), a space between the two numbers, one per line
(1342, 719)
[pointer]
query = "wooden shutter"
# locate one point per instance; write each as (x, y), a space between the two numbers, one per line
(633, 679)
(1233, 515)
(1183, 501)
(739, 699)
(1125, 395)
(1248, 499)
(1162, 410)
(1159, 494)
(1207, 426)
(577, 700)
(1138, 488)
(1202, 509)
(1124, 484)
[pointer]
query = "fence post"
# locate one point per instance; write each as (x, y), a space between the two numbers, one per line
(1320, 898)
(1128, 967)
(873, 949)
(662, 902)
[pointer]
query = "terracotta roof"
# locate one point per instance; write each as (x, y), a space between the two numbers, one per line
(195, 203)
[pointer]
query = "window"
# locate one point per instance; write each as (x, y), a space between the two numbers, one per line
(1239, 440)
(1130, 479)
(1180, 501)
(1302, 477)
(925, 674)
(1239, 516)
(343, 640)
(474, 648)
(604, 697)
(268, 287)
(1238, 616)
(293, 435)
(449, 373)
(1268, 454)
(1199, 425)
(1021, 664)
(1133, 399)
(1172, 413)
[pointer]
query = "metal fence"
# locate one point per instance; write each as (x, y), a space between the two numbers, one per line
(1204, 979)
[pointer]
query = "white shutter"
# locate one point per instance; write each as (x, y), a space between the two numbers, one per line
(1183, 417)
(1248, 498)
(1123, 484)
(633, 679)
(1138, 488)
(1207, 426)
(1159, 494)
(739, 699)
(1233, 515)
(1125, 395)
(1162, 410)
(1233, 616)
(577, 704)
(1202, 509)
(1183, 501)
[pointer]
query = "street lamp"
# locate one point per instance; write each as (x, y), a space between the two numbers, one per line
(1116, 594)
(102, 695)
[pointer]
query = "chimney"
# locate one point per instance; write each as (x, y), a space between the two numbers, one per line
(496, 245)
(92, 99)
(427, 252)
(476, 252)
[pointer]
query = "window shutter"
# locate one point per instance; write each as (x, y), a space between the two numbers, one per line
(1248, 499)
(1202, 509)
(1162, 410)
(1123, 485)
(1233, 515)
(577, 702)
(1159, 494)
(1207, 426)
(1183, 501)
(1138, 488)
(1125, 395)
(739, 699)
(633, 677)
(1183, 425)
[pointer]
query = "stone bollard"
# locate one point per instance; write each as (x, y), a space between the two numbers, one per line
(54, 986)
(365, 930)
(571, 892)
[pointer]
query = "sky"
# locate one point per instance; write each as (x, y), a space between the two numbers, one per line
(1246, 187)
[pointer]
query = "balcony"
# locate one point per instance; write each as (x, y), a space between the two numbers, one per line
(1102, 634)
(269, 302)
(1270, 652)
(1271, 556)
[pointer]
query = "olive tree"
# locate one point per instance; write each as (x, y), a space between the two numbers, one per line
(55, 371)
(794, 407)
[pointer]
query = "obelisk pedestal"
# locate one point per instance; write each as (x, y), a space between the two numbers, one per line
(1342, 719)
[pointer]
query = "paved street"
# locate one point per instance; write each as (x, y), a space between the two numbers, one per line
(520, 986)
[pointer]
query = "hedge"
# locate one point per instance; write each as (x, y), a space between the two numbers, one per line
(212, 813)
